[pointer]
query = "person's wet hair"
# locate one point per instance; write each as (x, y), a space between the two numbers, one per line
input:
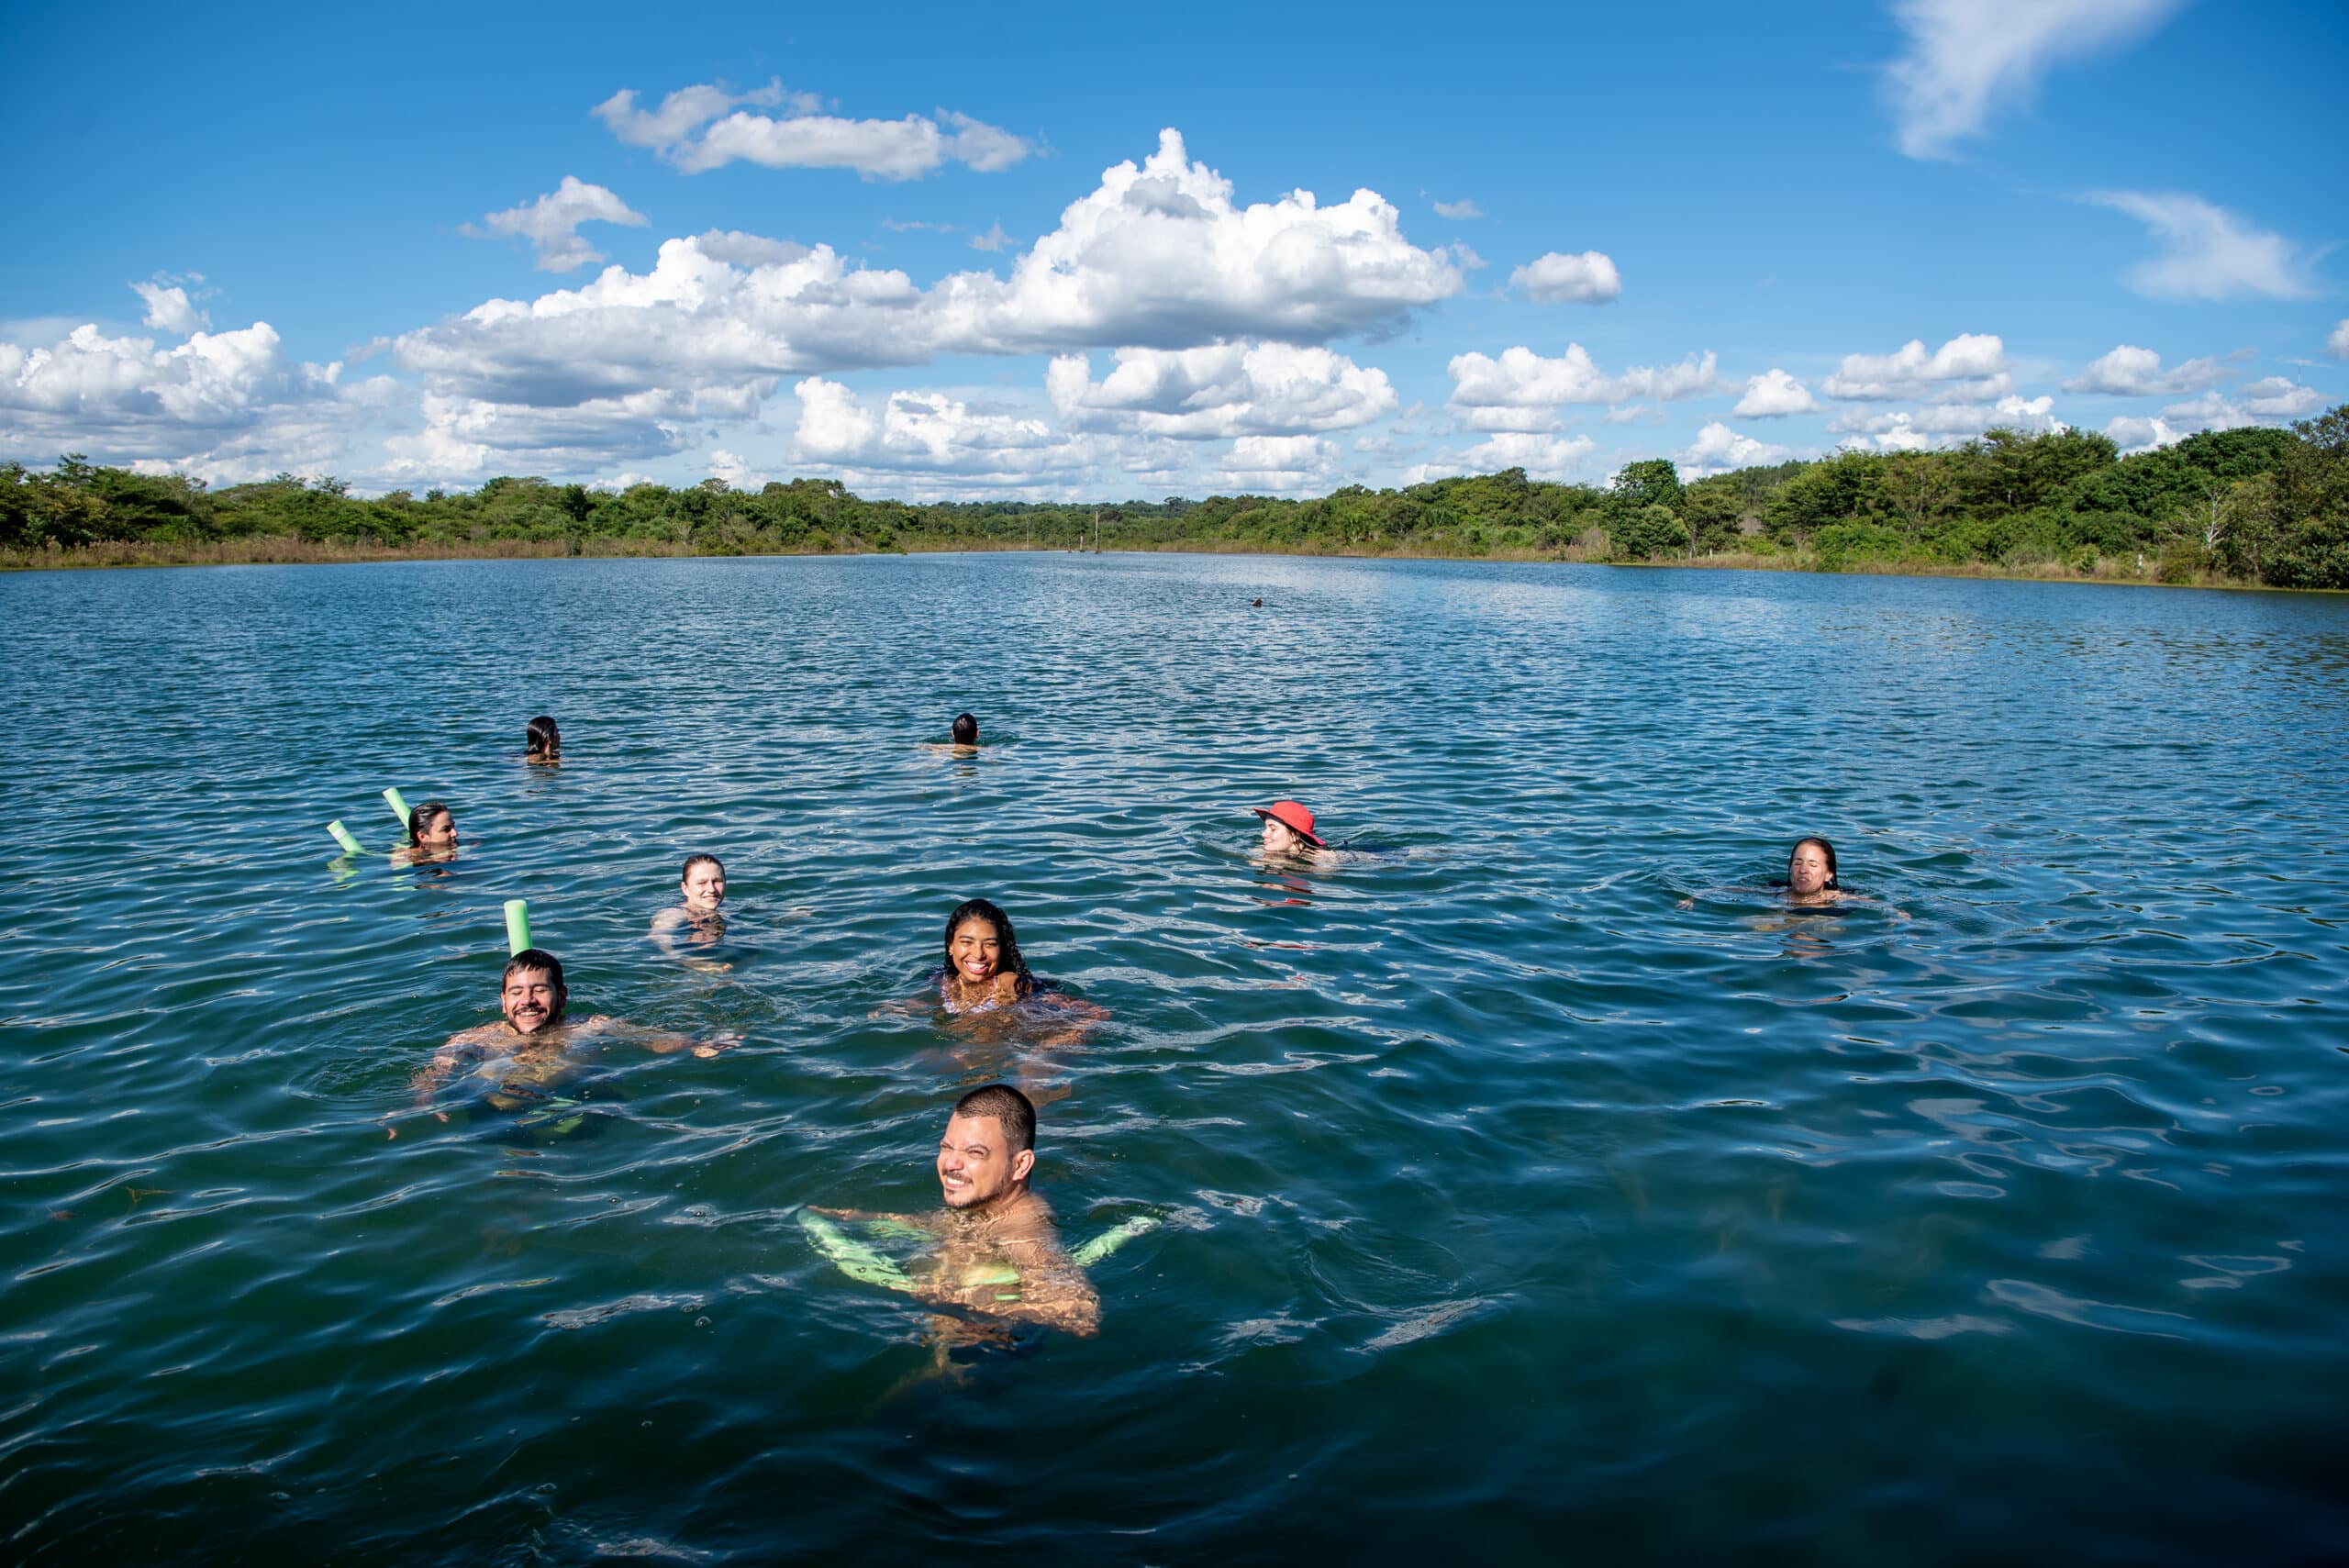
(419, 816)
(1824, 848)
(966, 729)
(539, 959)
(1008, 961)
(1008, 1107)
(543, 738)
(692, 860)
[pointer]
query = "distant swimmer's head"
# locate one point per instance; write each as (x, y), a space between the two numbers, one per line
(1288, 828)
(966, 729)
(701, 884)
(981, 945)
(988, 1149)
(532, 994)
(543, 740)
(430, 827)
(1811, 868)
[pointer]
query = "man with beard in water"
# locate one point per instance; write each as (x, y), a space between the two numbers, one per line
(998, 1253)
(530, 1050)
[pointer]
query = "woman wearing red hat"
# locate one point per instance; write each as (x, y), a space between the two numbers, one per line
(1288, 831)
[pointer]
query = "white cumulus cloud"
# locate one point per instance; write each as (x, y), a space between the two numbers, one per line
(703, 127)
(1523, 391)
(1947, 424)
(929, 434)
(2338, 344)
(2131, 372)
(1159, 256)
(1966, 58)
(1718, 448)
(1224, 390)
(1278, 464)
(2134, 435)
(1559, 279)
(169, 309)
(2208, 252)
(1773, 394)
(1968, 367)
(2277, 397)
(1554, 458)
(552, 224)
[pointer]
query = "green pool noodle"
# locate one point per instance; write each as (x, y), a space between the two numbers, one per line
(1109, 1240)
(399, 803)
(351, 846)
(518, 924)
(855, 1259)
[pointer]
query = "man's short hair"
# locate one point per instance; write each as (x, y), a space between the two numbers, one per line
(1008, 1107)
(966, 729)
(538, 959)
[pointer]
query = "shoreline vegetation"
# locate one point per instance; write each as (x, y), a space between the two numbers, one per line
(2245, 507)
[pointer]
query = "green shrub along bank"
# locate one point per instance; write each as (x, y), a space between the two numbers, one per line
(2251, 505)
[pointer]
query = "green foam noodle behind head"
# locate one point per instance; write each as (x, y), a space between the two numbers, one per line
(351, 846)
(518, 924)
(399, 803)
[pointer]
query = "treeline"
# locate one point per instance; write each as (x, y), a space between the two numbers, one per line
(2260, 506)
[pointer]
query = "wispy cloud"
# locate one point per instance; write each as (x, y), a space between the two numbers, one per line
(1968, 58)
(705, 127)
(552, 224)
(2209, 252)
(1464, 208)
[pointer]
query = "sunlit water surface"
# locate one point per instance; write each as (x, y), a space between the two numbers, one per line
(1509, 1206)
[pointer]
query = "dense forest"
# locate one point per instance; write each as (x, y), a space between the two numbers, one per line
(2247, 505)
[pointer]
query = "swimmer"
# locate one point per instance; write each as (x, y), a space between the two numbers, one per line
(983, 973)
(965, 739)
(697, 917)
(998, 1253)
(543, 742)
(1810, 881)
(431, 835)
(530, 1048)
(1288, 834)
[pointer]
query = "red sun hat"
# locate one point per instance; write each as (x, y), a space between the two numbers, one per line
(1294, 817)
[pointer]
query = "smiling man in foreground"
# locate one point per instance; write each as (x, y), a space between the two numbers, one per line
(999, 1255)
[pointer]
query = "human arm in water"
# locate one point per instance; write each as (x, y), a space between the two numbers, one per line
(662, 1042)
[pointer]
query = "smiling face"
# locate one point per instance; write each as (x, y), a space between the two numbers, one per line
(1280, 838)
(531, 1001)
(1808, 870)
(435, 831)
(975, 1165)
(704, 886)
(975, 951)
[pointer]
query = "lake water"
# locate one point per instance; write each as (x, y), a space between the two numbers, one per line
(1507, 1206)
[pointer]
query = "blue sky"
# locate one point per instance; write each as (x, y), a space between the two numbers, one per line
(935, 253)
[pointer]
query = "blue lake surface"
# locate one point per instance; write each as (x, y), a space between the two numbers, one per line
(1509, 1206)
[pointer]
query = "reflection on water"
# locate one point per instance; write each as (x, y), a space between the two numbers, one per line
(1498, 1191)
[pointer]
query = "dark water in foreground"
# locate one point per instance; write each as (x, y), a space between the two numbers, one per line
(1509, 1206)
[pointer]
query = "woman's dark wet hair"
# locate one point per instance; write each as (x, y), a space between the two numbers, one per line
(1824, 848)
(1008, 961)
(543, 738)
(692, 860)
(419, 816)
(966, 729)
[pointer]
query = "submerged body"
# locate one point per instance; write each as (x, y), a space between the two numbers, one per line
(697, 918)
